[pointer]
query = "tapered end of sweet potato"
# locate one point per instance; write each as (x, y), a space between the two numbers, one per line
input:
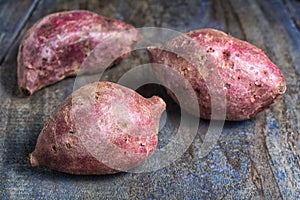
(158, 105)
(33, 160)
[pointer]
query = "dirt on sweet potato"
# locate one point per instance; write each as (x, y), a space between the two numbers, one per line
(215, 63)
(56, 46)
(101, 128)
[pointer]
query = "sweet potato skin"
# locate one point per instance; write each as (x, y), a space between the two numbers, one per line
(55, 46)
(251, 82)
(102, 128)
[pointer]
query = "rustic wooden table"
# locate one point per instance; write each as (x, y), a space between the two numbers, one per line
(253, 159)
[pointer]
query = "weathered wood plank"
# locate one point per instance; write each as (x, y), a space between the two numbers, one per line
(293, 8)
(13, 16)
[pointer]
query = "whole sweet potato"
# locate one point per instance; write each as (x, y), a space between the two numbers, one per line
(101, 128)
(55, 46)
(215, 63)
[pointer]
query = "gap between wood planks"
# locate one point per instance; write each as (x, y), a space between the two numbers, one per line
(19, 26)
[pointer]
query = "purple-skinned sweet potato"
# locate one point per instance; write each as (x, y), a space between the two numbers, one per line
(101, 128)
(215, 63)
(56, 46)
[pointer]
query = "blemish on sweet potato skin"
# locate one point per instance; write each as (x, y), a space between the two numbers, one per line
(119, 122)
(251, 81)
(55, 46)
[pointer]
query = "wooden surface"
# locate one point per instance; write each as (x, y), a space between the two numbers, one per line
(253, 159)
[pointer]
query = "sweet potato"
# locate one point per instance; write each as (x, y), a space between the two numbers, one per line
(215, 63)
(101, 128)
(55, 46)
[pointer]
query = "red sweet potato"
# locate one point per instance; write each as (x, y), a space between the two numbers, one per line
(102, 128)
(55, 46)
(215, 63)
